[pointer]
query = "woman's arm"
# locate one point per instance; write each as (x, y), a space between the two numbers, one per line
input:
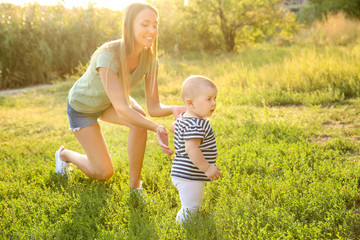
(154, 107)
(115, 92)
(136, 106)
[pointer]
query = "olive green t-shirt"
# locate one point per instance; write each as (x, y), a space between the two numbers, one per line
(88, 94)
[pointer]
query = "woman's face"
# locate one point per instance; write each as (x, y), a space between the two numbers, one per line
(145, 28)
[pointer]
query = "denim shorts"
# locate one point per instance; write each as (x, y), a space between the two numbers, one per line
(79, 120)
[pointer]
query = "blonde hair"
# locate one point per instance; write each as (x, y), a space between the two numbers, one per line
(125, 46)
(191, 86)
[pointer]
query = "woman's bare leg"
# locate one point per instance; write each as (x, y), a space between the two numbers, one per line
(136, 145)
(96, 163)
(136, 150)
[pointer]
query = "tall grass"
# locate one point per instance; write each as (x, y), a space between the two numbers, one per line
(278, 75)
(328, 74)
(333, 29)
(288, 172)
(39, 43)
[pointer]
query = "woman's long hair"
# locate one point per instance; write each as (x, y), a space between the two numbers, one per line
(124, 47)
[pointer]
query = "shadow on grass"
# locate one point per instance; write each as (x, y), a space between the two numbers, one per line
(201, 226)
(84, 210)
(57, 181)
(140, 223)
(93, 209)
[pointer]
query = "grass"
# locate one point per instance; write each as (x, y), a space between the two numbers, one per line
(333, 29)
(289, 157)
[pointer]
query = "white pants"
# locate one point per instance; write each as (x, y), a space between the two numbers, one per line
(191, 195)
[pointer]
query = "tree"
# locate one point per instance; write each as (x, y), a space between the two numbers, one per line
(350, 7)
(235, 17)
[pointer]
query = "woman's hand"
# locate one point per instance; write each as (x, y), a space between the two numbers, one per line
(163, 141)
(177, 110)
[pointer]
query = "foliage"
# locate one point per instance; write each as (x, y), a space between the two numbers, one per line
(289, 172)
(334, 29)
(317, 9)
(179, 32)
(322, 7)
(273, 76)
(244, 22)
(40, 43)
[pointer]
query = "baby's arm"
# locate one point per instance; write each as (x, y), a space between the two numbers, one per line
(196, 156)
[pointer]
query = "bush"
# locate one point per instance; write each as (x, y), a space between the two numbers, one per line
(41, 43)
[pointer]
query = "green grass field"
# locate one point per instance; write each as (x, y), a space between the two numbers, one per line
(288, 135)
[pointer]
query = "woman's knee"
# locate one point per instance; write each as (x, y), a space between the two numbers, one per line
(104, 174)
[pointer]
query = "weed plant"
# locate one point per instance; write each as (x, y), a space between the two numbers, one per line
(289, 156)
(332, 29)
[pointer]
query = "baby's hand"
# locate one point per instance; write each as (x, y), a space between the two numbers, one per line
(213, 173)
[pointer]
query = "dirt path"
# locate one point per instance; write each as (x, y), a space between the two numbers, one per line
(22, 90)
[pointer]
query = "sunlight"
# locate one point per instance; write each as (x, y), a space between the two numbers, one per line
(113, 5)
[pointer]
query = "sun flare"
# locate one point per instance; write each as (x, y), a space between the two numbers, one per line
(113, 5)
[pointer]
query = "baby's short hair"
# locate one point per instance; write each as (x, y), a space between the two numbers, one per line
(192, 84)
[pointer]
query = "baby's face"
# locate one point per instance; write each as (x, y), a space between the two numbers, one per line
(204, 104)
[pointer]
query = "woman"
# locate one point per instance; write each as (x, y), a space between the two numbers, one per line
(103, 92)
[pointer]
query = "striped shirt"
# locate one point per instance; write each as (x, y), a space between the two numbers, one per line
(189, 128)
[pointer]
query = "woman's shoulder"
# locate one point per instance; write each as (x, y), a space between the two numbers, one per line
(111, 44)
(108, 47)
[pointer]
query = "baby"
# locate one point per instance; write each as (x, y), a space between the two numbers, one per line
(195, 145)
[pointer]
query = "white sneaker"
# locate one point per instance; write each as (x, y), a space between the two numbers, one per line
(62, 167)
